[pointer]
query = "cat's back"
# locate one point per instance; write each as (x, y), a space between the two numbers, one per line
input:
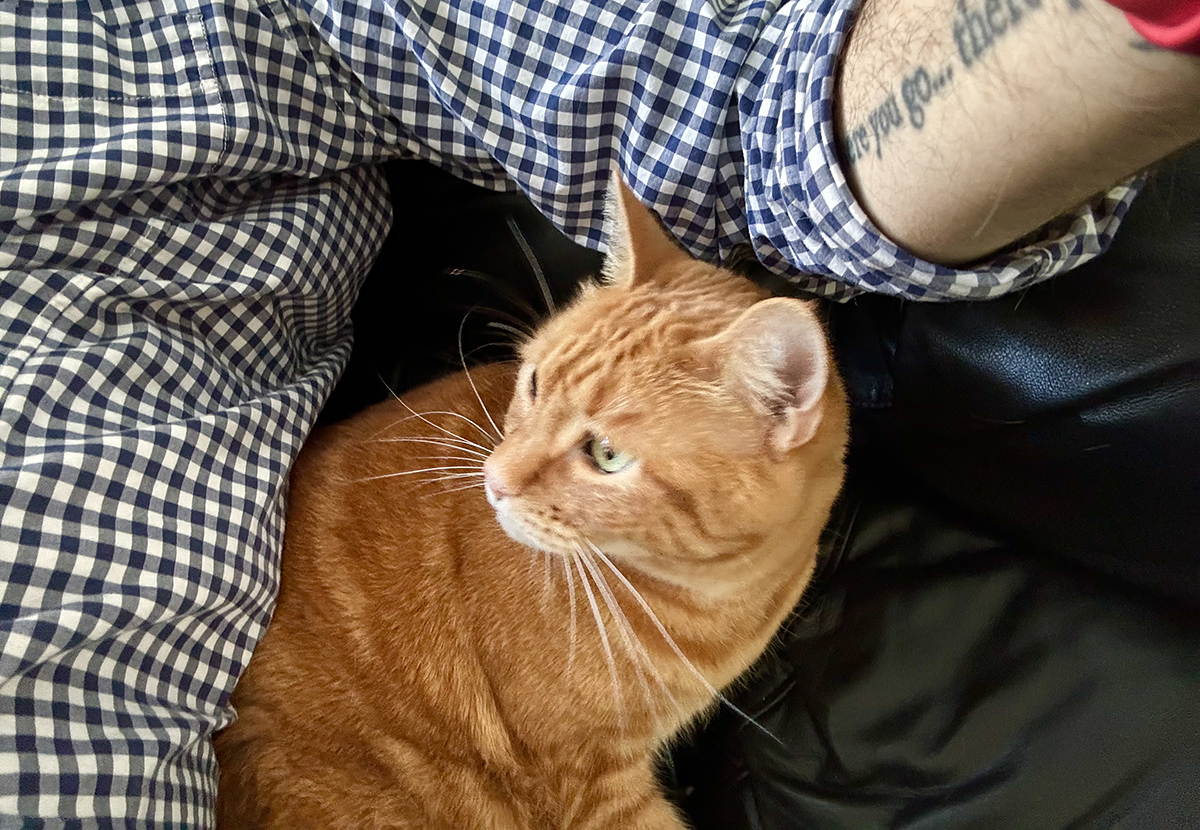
(366, 599)
(389, 492)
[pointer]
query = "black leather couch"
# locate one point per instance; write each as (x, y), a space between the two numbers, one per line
(1005, 628)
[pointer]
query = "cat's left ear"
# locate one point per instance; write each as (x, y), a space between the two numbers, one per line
(776, 354)
(638, 246)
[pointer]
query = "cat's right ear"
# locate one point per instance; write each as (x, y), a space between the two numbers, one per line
(776, 355)
(638, 246)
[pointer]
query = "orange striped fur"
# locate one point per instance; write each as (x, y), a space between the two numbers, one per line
(425, 669)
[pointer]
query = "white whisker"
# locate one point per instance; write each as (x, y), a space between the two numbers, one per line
(415, 472)
(460, 416)
(608, 655)
(453, 435)
(533, 560)
(444, 468)
(622, 626)
(514, 321)
(512, 297)
(571, 601)
(416, 414)
(513, 330)
(478, 486)
(642, 650)
(545, 580)
(476, 476)
(494, 344)
(531, 258)
(471, 380)
(436, 442)
(477, 462)
(671, 642)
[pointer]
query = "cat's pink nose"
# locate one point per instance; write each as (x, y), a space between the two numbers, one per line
(494, 485)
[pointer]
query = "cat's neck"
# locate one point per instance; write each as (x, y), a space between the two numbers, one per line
(670, 647)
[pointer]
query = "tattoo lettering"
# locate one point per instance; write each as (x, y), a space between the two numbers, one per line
(858, 143)
(919, 88)
(978, 24)
(976, 27)
(882, 119)
(1146, 46)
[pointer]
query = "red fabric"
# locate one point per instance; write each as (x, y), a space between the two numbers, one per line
(1171, 24)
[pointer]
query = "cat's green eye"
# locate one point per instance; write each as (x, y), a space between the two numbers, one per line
(605, 456)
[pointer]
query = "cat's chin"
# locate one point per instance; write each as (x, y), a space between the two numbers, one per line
(519, 533)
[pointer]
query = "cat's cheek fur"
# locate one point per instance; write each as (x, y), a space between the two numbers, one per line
(513, 526)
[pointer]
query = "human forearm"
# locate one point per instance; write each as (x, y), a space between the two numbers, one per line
(968, 124)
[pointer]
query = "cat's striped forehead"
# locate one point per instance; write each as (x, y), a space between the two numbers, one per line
(617, 337)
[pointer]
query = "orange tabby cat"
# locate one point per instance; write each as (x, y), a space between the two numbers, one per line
(673, 447)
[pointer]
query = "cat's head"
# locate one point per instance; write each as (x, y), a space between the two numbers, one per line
(672, 415)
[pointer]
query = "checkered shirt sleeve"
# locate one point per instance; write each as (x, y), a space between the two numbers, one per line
(718, 112)
(189, 198)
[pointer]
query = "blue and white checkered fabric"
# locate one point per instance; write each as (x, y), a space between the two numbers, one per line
(187, 206)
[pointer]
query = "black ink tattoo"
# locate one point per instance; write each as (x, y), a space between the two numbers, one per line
(917, 89)
(858, 143)
(977, 26)
(1146, 46)
(883, 118)
(881, 121)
